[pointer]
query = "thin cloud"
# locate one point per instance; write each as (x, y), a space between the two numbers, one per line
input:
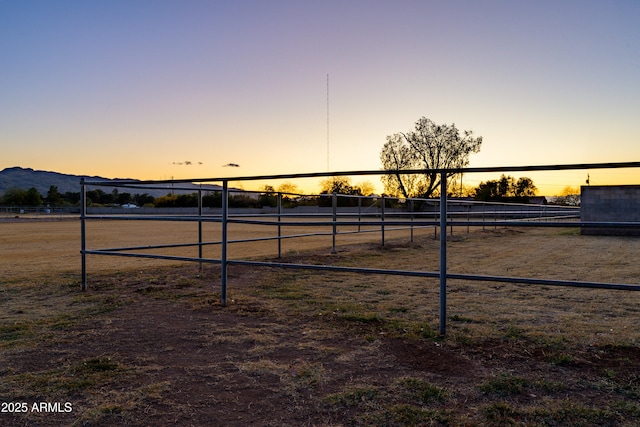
(186, 163)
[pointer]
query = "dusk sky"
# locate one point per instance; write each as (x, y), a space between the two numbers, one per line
(137, 88)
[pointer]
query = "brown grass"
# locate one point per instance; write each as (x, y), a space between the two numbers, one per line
(31, 248)
(148, 343)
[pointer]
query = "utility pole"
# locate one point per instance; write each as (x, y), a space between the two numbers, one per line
(328, 168)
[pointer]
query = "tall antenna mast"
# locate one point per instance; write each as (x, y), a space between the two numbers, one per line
(328, 169)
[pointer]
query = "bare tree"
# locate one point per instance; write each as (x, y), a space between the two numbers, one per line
(289, 189)
(366, 188)
(428, 147)
(506, 189)
(338, 185)
(570, 196)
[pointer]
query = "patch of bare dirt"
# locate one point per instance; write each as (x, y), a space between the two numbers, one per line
(186, 360)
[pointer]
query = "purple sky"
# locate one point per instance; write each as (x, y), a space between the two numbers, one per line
(132, 88)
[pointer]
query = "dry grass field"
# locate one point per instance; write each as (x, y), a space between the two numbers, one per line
(149, 344)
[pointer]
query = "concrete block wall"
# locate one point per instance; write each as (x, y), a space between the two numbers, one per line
(610, 203)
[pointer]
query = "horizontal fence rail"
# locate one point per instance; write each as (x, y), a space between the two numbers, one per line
(374, 216)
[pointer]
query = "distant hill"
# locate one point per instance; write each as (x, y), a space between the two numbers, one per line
(26, 178)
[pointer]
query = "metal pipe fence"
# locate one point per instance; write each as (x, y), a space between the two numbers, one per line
(374, 217)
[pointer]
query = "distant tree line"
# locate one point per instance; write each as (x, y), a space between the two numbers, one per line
(98, 197)
(32, 197)
(506, 189)
(54, 198)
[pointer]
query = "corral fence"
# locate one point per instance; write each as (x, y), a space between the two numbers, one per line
(37, 211)
(341, 214)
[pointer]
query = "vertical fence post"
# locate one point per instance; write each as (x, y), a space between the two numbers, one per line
(443, 253)
(452, 218)
(435, 217)
(334, 205)
(359, 211)
(483, 210)
(504, 215)
(384, 202)
(225, 216)
(200, 227)
(279, 208)
(83, 232)
(411, 210)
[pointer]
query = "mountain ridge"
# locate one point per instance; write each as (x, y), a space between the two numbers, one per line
(26, 178)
